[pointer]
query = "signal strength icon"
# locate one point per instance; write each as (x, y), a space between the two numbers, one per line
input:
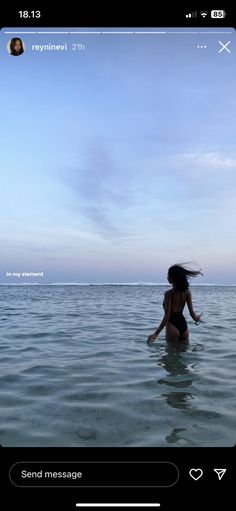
(204, 14)
(220, 472)
(192, 14)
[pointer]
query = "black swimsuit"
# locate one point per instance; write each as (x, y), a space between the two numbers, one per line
(178, 320)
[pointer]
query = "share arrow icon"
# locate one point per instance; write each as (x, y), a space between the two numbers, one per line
(220, 472)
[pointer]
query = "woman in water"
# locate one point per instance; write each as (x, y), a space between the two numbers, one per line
(16, 47)
(174, 302)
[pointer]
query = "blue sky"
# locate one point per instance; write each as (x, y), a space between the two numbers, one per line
(120, 160)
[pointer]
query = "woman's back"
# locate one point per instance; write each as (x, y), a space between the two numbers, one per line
(178, 300)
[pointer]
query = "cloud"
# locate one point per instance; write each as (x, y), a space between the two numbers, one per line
(207, 178)
(100, 194)
(209, 162)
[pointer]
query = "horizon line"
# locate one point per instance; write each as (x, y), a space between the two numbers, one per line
(134, 283)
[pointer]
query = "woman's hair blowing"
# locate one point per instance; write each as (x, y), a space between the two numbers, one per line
(180, 276)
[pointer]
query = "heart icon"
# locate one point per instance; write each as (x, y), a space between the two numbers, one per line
(196, 473)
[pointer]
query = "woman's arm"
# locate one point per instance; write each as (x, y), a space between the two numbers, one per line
(194, 316)
(167, 306)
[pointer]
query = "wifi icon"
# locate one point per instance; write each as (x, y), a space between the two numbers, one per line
(204, 14)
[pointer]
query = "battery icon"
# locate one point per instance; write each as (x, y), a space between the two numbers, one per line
(218, 14)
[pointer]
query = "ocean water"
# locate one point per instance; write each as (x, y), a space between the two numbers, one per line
(75, 368)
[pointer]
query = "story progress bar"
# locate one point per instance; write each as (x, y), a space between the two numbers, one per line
(153, 505)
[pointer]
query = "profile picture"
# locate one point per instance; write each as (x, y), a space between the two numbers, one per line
(16, 46)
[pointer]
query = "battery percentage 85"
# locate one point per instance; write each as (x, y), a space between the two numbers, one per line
(218, 14)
